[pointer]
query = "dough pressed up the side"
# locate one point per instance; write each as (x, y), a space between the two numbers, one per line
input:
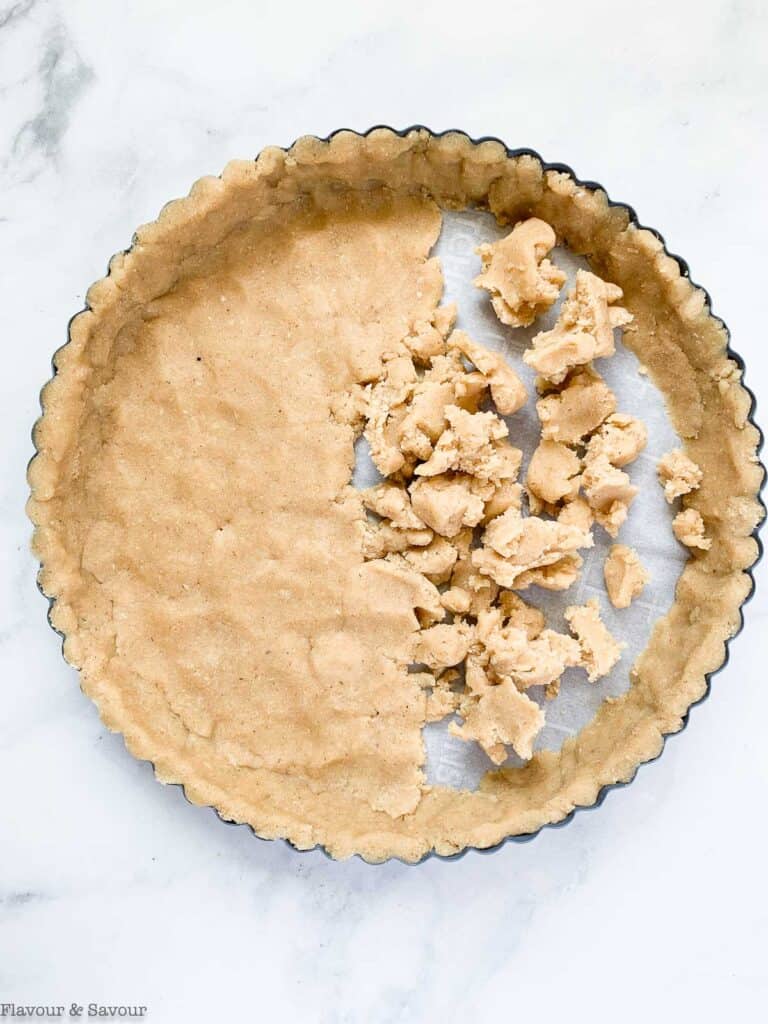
(206, 559)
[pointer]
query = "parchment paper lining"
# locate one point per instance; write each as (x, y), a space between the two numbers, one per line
(451, 761)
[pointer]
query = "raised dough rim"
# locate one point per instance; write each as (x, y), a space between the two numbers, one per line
(730, 353)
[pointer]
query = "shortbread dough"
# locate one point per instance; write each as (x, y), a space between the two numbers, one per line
(521, 281)
(599, 650)
(625, 575)
(584, 329)
(207, 554)
(688, 527)
(678, 474)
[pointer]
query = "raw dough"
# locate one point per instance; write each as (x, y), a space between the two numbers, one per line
(514, 545)
(620, 439)
(688, 527)
(599, 650)
(577, 409)
(625, 576)
(678, 474)
(204, 549)
(521, 281)
(507, 390)
(554, 473)
(584, 329)
(609, 492)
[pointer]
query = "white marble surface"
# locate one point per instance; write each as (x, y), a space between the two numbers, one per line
(112, 888)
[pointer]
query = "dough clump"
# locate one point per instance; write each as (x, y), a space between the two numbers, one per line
(678, 474)
(584, 329)
(625, 575)
(599, 650)
(578, 409)
(522, 283)
(451, 469)
(514, 546)
(688, 527)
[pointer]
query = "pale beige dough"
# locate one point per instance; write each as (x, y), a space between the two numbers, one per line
(577, 409)
(447, 503)
(678, 474)
(443, 700)
(558, 575)
(443, 645)
(554, 473)
(507, 390)
(498, 716)
(385, 539)
(599, 650)
(522, 283)
(512, 654)
(205, 550)
(577, 513)
(434, 560)
(473, 443)
(584, 329)
(620, 439)
(688, 527)
(514, 545)
(515, 612)
(608, 491)
(625, 575)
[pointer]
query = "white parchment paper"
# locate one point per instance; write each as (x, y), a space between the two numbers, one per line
(451, 761)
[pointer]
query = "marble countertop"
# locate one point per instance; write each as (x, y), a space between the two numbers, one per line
(112, 888)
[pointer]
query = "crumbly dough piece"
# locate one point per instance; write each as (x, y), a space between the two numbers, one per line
(514, 545)
(609, 492)
(384, 539)
(444, 645)
(443, 700)
(554, 473)
(527, 662)
(472, 443)
(584, 329)
(511, 652)
(456, 600)
(447, 503)
(625, 575)
(391, 501)
(522, 283)
(507, 390)
(427, 337)
(688, 527)
(559, 575)
(620, 440)
(678, 474)
(434, 560)
(572, 413)
(506, 494)
(497, 715)
(599, 650)
(405, 410)
(466, 585)
(423, 595)
(576, 513)
(516, 612)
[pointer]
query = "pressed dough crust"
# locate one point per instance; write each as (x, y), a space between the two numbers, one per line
(197, 529)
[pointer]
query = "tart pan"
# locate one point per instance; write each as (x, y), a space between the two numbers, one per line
(684, 271)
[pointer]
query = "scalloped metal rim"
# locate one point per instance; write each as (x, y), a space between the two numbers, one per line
(684, 270)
